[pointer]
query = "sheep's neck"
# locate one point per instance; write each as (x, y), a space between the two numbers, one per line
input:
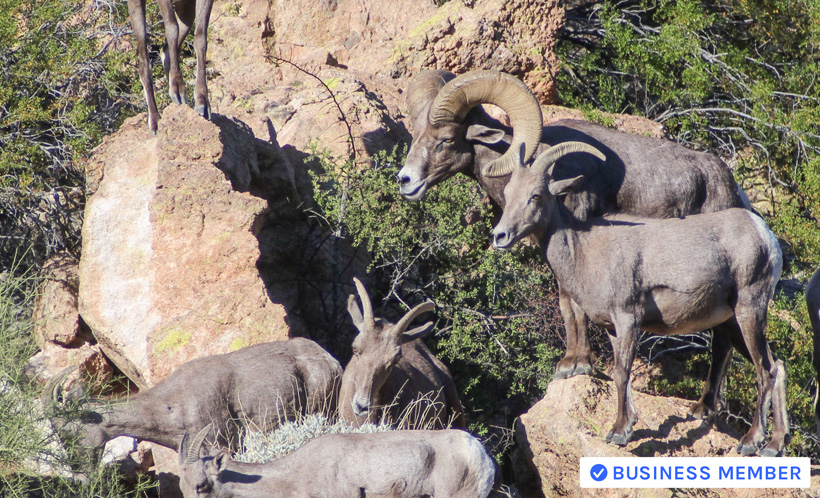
(563, 252)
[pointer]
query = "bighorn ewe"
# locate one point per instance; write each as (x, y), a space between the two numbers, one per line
(393, 374)
(813, 305)
(255, 387)
(673, 276)
(186, 11)
(643, 176)
(448, 463)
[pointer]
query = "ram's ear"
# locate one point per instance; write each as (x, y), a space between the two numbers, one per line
(355, 312)
(484, 134)
(564, 187)
(219, 463)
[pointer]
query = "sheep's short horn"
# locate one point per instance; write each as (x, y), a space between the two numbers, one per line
(411, 315)
(548, 158)
(196, 445)
(460, 95)
(367, 305)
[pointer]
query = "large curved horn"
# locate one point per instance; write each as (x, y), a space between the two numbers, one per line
(193, 451)
(550, 156)
(423, 88)
(411, 315)
(460, 95)
(367, 306)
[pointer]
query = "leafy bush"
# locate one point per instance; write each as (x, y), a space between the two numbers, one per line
(68, 79)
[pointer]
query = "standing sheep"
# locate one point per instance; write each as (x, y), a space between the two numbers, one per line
(393, 375)
(673, 276)
(638, 175)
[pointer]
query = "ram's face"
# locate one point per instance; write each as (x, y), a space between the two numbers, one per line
(436, 153)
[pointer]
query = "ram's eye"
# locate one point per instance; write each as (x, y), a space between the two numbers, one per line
(535, 197)
(447, 141)
(356, 351)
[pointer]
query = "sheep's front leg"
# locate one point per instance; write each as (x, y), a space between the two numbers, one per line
(203, 15)
(578, 358)
(625, 347)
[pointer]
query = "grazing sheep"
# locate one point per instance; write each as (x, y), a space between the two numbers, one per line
(394, 375)
(256, 387)
(186, 12)
(638, 175)
(400, 464)
(673, 276)
(813, 305)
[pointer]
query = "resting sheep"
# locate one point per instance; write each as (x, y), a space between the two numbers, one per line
(186, 11)
(638, 175)
(393, 375)
(674, 276)
(256, 387)
(449, 463)
(813, 305)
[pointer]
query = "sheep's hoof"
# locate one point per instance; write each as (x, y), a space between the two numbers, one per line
(700, 411)
(204, 111)
(770, 452)
(618, 439)
(746, 449)
(565, 370)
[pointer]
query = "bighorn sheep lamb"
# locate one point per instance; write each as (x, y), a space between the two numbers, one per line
(186, 11)
(255, 387)
(639, 175)
(394, 375)
(813, 305)
(449, 463)
(672, 276)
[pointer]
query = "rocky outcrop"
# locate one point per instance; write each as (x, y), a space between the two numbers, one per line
(332, 73)
(170, 243)
(575, 415)
(64, 339)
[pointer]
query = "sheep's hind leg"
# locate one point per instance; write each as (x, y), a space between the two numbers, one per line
(625, 347)
(752, 322)
(578, 358)
(780, 417)
(707, 405)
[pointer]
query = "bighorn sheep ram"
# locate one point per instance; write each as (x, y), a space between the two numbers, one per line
(255, 387)
(399, 464)
(672, 276)
(186, 11)
(643, 176)
(394, 375)
(813, 305)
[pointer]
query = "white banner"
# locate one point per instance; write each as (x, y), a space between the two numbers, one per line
(691, 472)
